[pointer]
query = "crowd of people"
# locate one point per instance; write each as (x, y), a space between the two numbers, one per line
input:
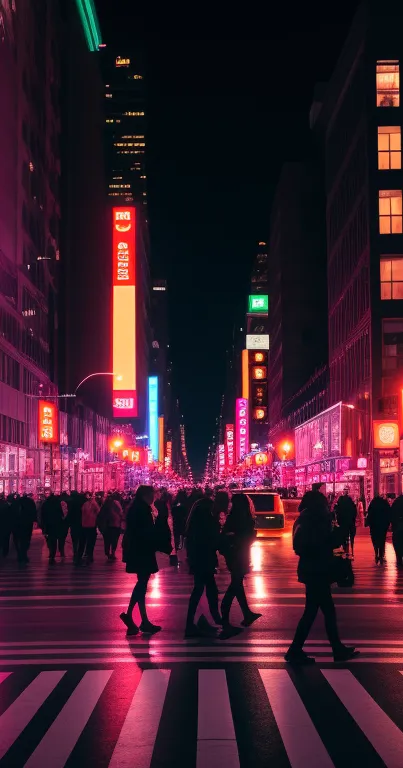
(205, 523)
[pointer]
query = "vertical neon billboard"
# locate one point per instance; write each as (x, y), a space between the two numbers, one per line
(124, 312)
(221, 459)
(241, 428)
(153, 426)
(229, 445)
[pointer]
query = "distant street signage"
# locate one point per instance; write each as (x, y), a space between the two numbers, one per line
(258, 303)
(257, 341)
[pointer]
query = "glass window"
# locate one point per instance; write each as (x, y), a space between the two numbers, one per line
(390, 211)
(392, 358)
(387, 84)
(391, 272)
(389, 147)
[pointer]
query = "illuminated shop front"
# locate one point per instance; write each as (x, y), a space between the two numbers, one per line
(333, 448)
(387, 456)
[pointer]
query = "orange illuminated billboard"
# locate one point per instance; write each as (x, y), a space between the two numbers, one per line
(124, 312)
(48, 422)
(386, 434)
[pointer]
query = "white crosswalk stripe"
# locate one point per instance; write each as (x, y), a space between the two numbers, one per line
(302, 742)
(136, 741)
(285, 720)
(16, 718)
(216, 742)
(379, 729)
(56, 746)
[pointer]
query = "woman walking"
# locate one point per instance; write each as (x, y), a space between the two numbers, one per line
(237, 537)
(312, 541)
(201, 544)
(139, 547)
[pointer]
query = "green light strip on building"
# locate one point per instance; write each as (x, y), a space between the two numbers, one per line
(90, 24)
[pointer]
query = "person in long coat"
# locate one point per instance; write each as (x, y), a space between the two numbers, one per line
(139, 548)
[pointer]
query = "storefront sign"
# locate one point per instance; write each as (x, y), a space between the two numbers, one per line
(386, 434)
(48, 431)
(221, 458)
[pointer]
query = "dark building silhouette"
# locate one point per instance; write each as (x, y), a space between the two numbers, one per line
(297, 319)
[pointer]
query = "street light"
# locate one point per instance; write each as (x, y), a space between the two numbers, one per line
(74, 394)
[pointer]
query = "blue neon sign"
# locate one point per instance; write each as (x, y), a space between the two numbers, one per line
(153, 415)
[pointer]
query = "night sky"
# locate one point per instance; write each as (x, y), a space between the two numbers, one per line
(223, 115)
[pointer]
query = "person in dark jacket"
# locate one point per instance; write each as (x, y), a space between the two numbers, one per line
(110, 520)
(396, 514)
(313, 543)
(54, 525)
(378, 521)
(346, 515)
(5, 525)
(23, 517)
(237, 537)
(139, 547)
(75, 505)
(179, 516)
(201, 544)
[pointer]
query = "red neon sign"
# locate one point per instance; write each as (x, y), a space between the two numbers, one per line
(229, 445)
(48, 422)
(221, 458)
(124, 312)
(241, 427)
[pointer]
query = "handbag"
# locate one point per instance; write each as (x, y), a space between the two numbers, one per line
(162, 533)
(342, 571)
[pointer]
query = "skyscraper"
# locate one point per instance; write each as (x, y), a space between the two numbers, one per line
(125, 126)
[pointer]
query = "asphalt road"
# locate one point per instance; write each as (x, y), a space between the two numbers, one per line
(75, 691)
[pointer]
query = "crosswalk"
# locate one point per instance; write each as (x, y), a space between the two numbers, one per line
(205, 717)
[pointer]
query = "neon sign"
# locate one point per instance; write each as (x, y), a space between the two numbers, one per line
(124, 312)
(241, 428)
(258, 303)
(229, 444)
(48, 419)
(221, 458)
(153, 426)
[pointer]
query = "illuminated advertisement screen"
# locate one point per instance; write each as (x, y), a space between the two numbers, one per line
(124, 312)
(257, 341)
(258, 303)
(229, 445)
(153, 426)
(48, 422)
(241, 427)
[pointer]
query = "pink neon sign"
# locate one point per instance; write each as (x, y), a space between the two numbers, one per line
(241, 427)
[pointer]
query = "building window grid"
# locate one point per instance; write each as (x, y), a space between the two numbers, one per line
(391, 277)
(389, 148)
(390, 211)
(387, 83)
(392, 346)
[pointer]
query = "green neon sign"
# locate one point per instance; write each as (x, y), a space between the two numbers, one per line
(258, 303)
(89, 20)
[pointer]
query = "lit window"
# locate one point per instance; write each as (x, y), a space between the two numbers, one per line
(389, 147)
(136, 77)
(133, 114)
(108, 121)
(391, 277)
(31, 167)
(122, 62)
(392, 357)
(108, 95)
(387, 84)
(390, 211)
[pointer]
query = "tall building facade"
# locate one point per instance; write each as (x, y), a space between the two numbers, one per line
(29, 230)
(358, 125)
(125, 126)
